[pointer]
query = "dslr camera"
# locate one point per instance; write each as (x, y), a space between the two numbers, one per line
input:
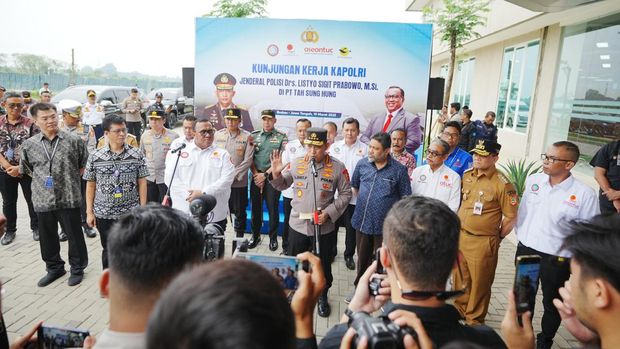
(381, 332)
(201, 209)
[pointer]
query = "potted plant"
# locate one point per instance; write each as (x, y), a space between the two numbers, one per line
(517, 173)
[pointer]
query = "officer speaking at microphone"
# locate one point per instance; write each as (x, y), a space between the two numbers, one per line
(331, 176)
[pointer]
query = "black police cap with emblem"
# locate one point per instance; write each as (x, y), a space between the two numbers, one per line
(224, 81)
(316, 136)
(485, 147)
(268, 113)
(159, 94)
(156, 114)
(232, 113)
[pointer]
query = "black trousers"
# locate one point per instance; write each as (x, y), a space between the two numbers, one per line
(135, 128)
(349, 240)
(271, 198)
(104, 226)
(237, 203)
(366, 247)
(8, 188)
(554, 271)
(299, 243)
(285, 227)
(69, 218)
(155, 192)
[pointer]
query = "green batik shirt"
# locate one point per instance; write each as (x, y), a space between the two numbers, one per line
(264, 144)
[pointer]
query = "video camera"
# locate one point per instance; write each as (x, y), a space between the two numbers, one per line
(381, 332)
(201, 209)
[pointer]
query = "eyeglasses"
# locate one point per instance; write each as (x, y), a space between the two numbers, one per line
(433, 153)
(413, 295)
(120, 130)
(450, 135)
(204, 133)
(392, 96)
(15, 105)
(551, 159)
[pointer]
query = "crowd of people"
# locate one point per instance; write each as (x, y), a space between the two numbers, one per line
(432, 225)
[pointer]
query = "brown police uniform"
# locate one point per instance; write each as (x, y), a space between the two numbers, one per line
(487, 197)
(215, 113)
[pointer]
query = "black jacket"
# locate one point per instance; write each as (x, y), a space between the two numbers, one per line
(442, 324)
(466, 142)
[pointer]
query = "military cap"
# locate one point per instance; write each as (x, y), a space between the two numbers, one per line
(159, 94)
(26, 94)
(486, 147)
(71, 107)
(268, 113)
(90, 93)
(156, 114)
(224, 81)
(232, 113)
(316, 136)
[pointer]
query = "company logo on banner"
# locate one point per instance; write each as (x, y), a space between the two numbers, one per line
(319, 70)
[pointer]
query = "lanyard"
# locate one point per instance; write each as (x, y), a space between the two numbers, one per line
(50, 158)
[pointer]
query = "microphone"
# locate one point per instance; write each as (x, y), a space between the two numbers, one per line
(178, 148)
(202, 205)
(313, 166)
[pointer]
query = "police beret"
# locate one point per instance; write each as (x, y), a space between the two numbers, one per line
(316, 136)
(224, 81)
(485, 147)
(232, 113)
(156, 114)
(268, 113)
(71, 107)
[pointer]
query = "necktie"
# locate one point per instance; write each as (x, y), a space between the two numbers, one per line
(387, 123)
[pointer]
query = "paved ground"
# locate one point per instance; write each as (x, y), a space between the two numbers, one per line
(24, 303)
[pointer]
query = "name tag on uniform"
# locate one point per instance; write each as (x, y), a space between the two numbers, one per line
(305, 216)
(10, 153)
(478, 208)
(49, 182)
(118, 192)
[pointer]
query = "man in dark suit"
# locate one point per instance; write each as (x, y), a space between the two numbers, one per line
(224, 91)
(395, 117)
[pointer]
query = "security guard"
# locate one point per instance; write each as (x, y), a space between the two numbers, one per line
(71, 122)
(240, 146)
(224, 91)
(155, 145)
(265, 142)
(332, 177)
(488, 211)
(606, 164)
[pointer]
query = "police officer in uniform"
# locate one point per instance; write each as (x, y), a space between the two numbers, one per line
(332, 177)
(224, 91)
(240, 146)
(265, 142)
(606, 164)
(155, 144)
(488, 213)
(158, 105)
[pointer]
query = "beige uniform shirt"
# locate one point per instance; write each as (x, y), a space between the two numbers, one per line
(131, 107)
(155, 147)
(241, 150)
(332, 177)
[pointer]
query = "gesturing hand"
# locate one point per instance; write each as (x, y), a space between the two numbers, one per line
(276, 163)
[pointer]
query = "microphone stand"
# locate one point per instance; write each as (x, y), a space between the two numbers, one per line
(315, 221)
(166, 201)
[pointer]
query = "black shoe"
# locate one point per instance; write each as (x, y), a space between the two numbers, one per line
(273, 244)
(7, 238)
(75, 279)
(35, 234)
(324, 308)
(62, 236)
(349, 262)
(88, 231)
(51, 277)
(254, 241)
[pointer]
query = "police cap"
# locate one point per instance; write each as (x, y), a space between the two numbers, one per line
(224, 81)
(485, 147)
(232, 113)
(316, 136)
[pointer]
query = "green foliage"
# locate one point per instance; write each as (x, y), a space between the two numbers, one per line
(517, 173)
(238, 8)
(36, 64)
(458, 19)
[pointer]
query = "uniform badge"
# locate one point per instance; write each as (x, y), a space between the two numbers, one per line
(346, 175)
(535, 187)
(446, 177)
(167, 139)
(423, 178)
(300, 193)
(326, 186)
(337, 150)
(514, 199)
(360, 152)
(184, 155)
(573, 198)
(293, 150)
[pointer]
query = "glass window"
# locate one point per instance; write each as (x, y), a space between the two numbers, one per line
(107, 96)
(461, 86)
(586, 100)
(519, 72)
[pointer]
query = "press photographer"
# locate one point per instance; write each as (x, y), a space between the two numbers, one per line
(201, 209)
(420, 249)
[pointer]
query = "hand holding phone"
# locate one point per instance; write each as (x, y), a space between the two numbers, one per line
(526, 283)
(56, 337)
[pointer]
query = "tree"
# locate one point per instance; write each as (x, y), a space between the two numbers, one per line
(456, 23)
(238, 8)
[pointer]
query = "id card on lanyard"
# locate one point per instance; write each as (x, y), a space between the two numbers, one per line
(49, 180)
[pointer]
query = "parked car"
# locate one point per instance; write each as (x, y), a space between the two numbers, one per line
(174, 102)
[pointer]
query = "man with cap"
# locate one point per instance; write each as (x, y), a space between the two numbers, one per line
(93, 114)
(155, 145)
(240, 146)
(71, 113)
(265, 142)
(331, 177)
(131, 106)
(488, 213)
(224, 91)
(27, 103)
(158, 105)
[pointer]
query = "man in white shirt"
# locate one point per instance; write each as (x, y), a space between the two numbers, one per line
(93, 114)
(292, 150)
(550, 200)
(349, 151)
(436, 180)
(203, 168)
(189, 123)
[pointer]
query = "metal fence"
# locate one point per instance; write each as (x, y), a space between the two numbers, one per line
(58, 82)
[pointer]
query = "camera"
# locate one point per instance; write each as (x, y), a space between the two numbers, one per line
(375, 283)
(213, 234)
(381, 332)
